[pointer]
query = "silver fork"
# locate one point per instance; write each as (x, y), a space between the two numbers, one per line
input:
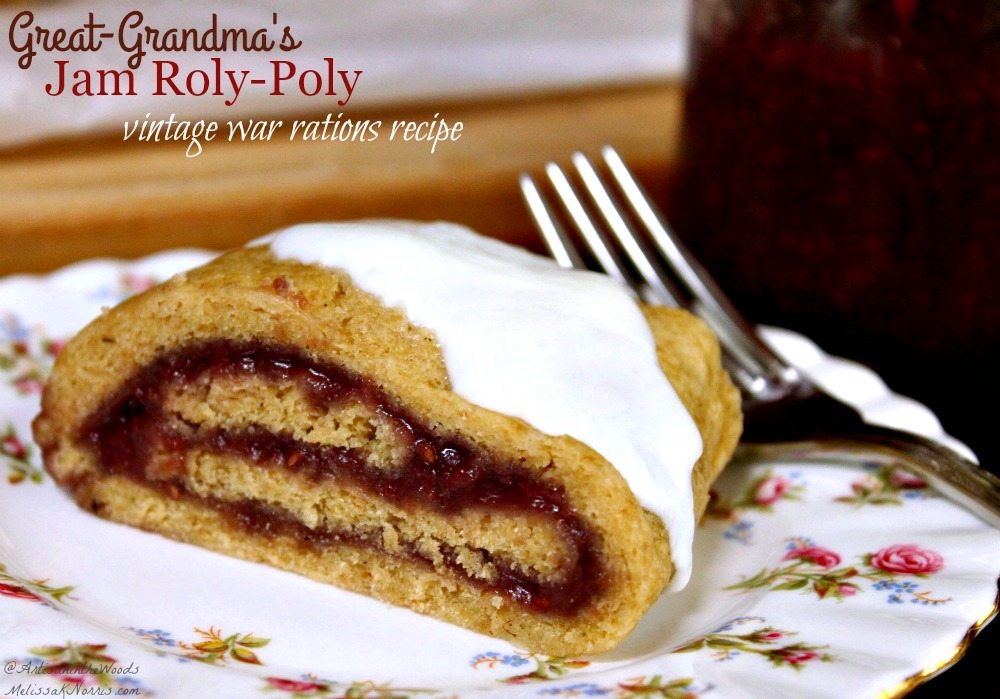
(787, 416)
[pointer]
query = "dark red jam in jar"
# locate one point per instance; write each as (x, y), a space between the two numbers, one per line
(841, 167)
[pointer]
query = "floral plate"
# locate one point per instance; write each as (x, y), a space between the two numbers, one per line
(810, 581)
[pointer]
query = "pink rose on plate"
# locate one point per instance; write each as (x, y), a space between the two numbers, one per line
(518, 679)
(770, 490)
(296, 686)
(72, 673)
(904, 480)
(908, 559)
(54, 347)
(19, 592)
(824, 558)
(797, 657)
(137, 283)
(28, 386)
(847, 590)
(13, 447)
(864, 486)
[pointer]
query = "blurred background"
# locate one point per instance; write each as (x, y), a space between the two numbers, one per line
(835, 163)
(530, 81)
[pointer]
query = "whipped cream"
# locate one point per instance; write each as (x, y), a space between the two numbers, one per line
(568, 352)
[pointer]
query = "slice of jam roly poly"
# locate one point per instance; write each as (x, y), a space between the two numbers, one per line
(131, 435)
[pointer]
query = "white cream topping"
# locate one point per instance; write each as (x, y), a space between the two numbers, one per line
(568, 352)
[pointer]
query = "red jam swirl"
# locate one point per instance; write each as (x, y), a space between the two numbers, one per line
(446, 474)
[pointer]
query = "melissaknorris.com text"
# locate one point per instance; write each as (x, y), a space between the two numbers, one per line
(30, 689)
(136, 39)
(69, 688)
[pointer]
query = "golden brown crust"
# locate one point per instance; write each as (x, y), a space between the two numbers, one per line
(690, 356)
(247, 294)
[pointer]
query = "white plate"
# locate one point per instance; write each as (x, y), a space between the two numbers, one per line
(809, 581)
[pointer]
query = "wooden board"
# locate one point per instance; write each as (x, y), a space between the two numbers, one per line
(75, 199)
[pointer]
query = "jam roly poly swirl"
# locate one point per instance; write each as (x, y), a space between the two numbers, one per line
(444, 474)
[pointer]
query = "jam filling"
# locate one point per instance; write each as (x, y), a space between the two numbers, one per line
(445, 474)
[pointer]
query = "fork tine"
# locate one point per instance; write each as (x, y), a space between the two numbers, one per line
(554, 235)
(702, 286)
(664, 274)
(608, 261)
(709, 301)
(659, 285)
(775, 391)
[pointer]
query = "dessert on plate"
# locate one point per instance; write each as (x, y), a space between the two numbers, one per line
(409, 411)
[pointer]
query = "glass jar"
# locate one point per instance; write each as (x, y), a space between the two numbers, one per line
(840, 169)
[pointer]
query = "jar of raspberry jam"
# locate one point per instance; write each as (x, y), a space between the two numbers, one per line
(840, 171)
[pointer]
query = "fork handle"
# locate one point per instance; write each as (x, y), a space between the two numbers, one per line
(956, 477)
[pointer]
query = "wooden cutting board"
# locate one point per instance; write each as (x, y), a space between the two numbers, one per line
(99, 196)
